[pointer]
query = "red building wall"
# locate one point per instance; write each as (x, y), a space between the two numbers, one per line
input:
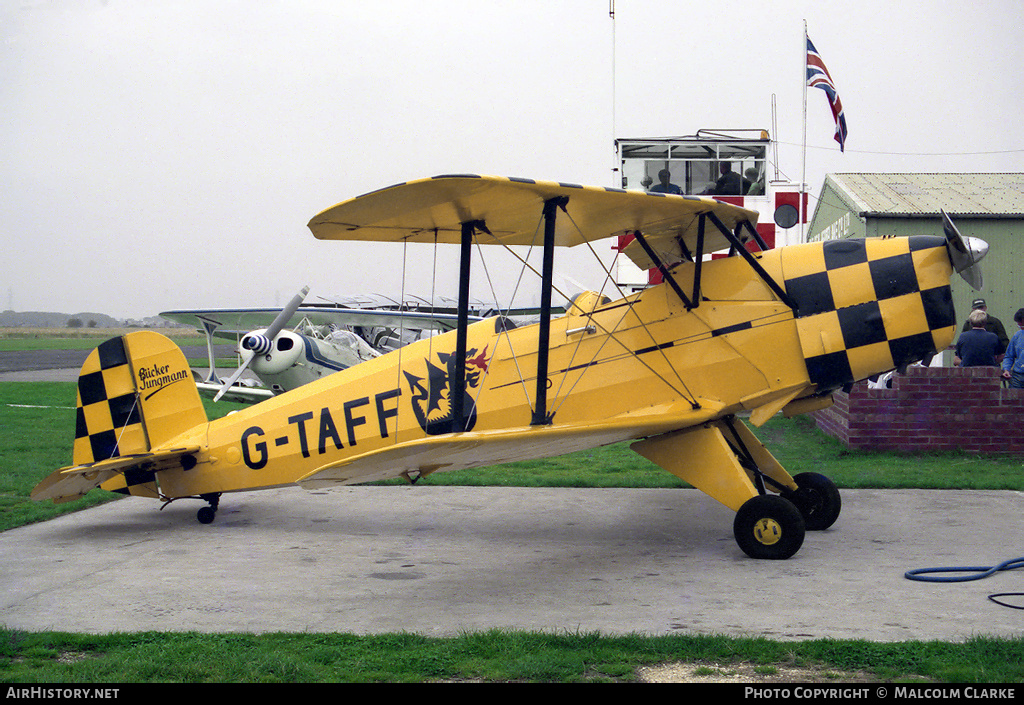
(930, 409)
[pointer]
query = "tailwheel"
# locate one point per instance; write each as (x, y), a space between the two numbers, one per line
(817, 498)
(206, 515)
(769, 526)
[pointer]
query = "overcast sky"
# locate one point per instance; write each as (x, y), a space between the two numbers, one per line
(159, 154)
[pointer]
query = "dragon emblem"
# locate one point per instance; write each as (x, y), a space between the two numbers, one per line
(431, 396)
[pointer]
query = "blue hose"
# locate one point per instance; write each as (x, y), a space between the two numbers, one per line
(979, 572)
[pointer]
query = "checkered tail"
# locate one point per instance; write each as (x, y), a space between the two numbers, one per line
(135, 392)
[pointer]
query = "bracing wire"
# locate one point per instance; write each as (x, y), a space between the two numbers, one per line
(687, 394)
(579, 343)
(597, 353)
(124, 428)
(401, 326)
(433, 296)
(117, 446)
(515, 291)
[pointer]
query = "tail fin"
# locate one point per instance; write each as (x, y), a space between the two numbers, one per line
(135, 392)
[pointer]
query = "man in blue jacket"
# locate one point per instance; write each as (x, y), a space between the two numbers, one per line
(992, 324)
(1013, 362)
(978, 347)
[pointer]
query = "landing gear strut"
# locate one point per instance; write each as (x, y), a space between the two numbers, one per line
(206, 515)
(773, 509)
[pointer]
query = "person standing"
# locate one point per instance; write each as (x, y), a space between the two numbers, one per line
(1013, 361)
(978, 347)
(992, 324)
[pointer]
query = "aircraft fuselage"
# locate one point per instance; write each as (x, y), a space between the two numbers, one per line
(645, 361)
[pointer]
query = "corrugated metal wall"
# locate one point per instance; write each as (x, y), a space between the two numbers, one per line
(1001, 267)
(851, 205)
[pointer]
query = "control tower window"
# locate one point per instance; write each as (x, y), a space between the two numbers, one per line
(693, 166)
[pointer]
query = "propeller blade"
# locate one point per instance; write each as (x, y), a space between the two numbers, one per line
(964, 252)
(247, 357)
(278, 324)
(286, 313)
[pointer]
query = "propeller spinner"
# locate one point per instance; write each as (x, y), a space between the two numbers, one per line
(255, 344)
(964, 252)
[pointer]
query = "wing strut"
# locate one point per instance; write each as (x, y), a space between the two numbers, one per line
(209, 327)
(665, 272)
(699, 259)
(540, 411)
(458, 380)
(541, 417)
(751, 260)
(756, 235)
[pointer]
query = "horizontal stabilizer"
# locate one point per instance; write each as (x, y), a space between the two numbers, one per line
(70, 483)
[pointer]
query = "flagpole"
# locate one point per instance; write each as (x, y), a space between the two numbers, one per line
(616, 183)
(803, 171)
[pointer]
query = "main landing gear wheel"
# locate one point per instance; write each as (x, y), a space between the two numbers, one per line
(818, 500)
(769, 526)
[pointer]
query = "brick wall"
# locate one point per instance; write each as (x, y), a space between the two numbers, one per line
(930, 409)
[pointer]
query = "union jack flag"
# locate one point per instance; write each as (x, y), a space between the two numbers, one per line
(818, 77)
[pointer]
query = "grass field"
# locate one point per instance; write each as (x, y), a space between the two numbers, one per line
(21, 339)
(36, 425)
(81, 338)
(491, 656)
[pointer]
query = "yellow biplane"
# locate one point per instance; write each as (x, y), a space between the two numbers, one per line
(672, 368)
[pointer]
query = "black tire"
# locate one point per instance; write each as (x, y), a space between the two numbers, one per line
(818, 500)
(769, 527)
(206, 515)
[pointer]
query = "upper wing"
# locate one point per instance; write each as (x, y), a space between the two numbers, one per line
(231, 322)
(433, 210)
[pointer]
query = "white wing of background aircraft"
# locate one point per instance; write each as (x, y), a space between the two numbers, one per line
(291, 346)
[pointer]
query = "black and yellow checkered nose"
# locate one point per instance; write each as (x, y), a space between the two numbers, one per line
(868, 306)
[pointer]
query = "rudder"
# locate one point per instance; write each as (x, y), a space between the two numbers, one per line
(135, 392)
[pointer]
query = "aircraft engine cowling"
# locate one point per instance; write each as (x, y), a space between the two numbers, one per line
(273, 357)
(258, 343)
(866, 306)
